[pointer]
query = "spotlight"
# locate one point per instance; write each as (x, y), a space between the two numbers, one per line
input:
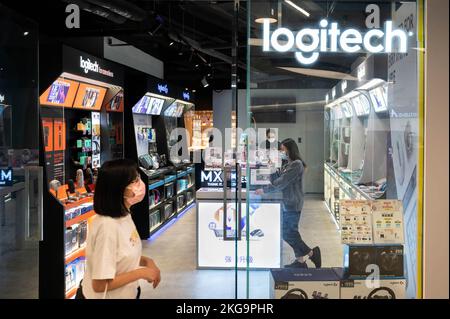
(196, 65)
(193, 91)
(26, 33)
(171, 43)
(205, 82)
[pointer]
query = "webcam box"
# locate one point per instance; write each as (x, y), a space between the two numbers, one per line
(298, 283)
(366, 289)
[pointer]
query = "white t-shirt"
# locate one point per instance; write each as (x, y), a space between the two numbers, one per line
(113, 247)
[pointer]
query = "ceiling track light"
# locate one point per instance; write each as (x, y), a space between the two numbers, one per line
(205, 82)
(303, 11)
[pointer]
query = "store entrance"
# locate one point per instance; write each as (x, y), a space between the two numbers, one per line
(20, 174)
(332, 149)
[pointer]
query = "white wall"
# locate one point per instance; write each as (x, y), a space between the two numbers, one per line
(436, 208)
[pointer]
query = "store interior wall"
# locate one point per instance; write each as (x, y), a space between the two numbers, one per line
(309, 126)
(436, 208)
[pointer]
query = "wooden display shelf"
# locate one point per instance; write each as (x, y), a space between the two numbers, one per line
(80, 252)
(80, 218)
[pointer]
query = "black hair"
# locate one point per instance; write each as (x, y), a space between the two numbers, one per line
(270, 130)
(292, 150)
(113, 177)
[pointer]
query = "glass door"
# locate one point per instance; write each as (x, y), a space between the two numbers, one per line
(334, 143)
(20, 174)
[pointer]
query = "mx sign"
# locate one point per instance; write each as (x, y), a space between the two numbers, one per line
(6, 177)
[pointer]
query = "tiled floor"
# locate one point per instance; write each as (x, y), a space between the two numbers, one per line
(18, 268)
(174, 250)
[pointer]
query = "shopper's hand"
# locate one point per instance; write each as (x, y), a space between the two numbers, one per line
(259, 191)
(147, 262)
(152, 275)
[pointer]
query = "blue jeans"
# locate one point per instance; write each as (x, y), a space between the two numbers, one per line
(291, 235)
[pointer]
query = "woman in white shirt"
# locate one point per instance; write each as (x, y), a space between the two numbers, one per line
(114, 261)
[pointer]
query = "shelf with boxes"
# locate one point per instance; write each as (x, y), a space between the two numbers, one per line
(372, 232)
(168, 195)
(76, 216)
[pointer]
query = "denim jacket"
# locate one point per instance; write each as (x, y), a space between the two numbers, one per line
(289, 180)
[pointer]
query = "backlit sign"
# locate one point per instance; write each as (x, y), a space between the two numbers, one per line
(163, 88)
(6, 177)
(309, 42)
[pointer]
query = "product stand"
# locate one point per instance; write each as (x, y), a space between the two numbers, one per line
(98, 97)
(170, 189)
(357, 144)
(217, 232)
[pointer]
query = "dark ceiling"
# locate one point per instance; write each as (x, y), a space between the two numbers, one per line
(193, 38)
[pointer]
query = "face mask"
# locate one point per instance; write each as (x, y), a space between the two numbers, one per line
(271, 139)
(138, 192)
(284, 156)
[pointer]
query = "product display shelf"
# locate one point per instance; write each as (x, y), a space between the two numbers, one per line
(186, 189)
(80, 218)
(77, 203)
(156, 228)
(154, 185)
(80, 252)
(71, 293)
(152, 208)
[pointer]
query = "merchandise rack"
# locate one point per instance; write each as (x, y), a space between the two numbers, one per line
(160, 180)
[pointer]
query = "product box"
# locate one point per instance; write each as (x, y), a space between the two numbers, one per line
(359, 260)
(387, 216)
(295, 283)
(362, 289)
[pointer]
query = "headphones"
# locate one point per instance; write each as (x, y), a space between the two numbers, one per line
(360, 260)
(156, 196)
(296, 293)
(389, 261)
(389, 291)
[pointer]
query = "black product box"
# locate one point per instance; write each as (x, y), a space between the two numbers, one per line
(295, 283)
(360, 260)
(168, 210)
(82, 233)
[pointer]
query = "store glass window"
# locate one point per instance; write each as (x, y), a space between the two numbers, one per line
(338, 86)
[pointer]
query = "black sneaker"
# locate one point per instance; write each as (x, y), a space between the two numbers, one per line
(316, 258)
(297, 264)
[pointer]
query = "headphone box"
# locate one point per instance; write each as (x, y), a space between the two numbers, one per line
(359, 261)
(381, 289)
(296, 283)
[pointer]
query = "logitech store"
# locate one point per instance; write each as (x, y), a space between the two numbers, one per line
(314, 173)
(350, 75)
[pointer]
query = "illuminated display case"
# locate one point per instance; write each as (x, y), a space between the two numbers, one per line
(158, 110)
(81, 128)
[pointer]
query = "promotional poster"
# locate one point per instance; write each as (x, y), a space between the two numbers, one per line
(264, 236)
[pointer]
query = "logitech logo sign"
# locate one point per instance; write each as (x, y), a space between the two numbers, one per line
(186, 96)
(310, 42)
(163, 88)
(89, 66)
